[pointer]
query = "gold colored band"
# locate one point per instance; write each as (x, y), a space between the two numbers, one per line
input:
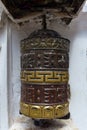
(44, 111)
(44, 76)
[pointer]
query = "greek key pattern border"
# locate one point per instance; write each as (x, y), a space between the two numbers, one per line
(44, 76)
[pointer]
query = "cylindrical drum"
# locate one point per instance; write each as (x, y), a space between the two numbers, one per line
(44, 75)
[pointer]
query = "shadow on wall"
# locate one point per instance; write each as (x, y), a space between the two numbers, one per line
(25, 123)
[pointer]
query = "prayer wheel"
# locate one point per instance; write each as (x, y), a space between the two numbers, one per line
(44, 75)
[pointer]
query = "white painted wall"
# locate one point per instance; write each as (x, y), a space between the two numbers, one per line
(77, 33)
(3, 79)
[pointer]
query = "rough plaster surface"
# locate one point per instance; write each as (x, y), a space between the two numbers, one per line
(24, 123)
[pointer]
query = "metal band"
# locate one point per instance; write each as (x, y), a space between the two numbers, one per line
(44, 111)
(51, 94)
(44, 76)
(45, 43)
(45, 59)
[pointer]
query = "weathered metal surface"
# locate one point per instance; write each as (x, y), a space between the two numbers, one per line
(44, 75)
(46, 94)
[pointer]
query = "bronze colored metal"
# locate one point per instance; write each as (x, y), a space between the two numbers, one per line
(35, 59)
(44, 75)
(43, 42)
(46, 94)
(45, 111)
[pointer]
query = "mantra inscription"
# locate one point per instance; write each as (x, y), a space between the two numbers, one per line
(44, 75)
(44, 59)
(47, 93)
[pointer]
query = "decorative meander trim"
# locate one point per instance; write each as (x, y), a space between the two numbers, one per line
(44, 111)
(44, 76)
